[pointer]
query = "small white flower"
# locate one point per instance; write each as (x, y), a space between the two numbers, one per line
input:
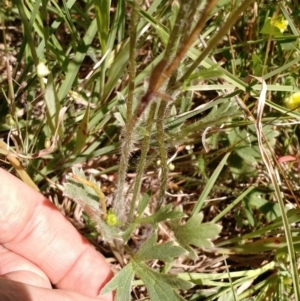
(42, 70)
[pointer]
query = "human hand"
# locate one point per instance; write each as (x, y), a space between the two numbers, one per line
(39, 247)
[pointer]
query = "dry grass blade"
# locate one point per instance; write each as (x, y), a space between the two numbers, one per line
(273, 177)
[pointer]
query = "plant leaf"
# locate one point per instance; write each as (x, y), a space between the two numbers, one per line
(167, 283)
(197, 234)
(160, 286)
(82, 131)
(80, 193)
(162, 214)
(165, 252)
(88, 199)
(121, 283)
(256, 200)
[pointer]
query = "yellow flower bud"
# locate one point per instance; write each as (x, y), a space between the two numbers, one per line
(293, 102)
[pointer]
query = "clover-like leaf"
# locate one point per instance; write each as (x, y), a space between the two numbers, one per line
(165, 252)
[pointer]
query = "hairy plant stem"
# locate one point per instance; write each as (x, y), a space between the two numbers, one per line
(142, 162)
(119, 205)
(179, 33)
(162, 111)
(187, 12)
(120, 202)
(167, 71)
(163, 152)
(178, 29)
(215, 40)
(164, 69)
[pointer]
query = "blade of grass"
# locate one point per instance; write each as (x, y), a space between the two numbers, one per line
(232, 205)
(73, 67)
(278, 195)
(209, 185)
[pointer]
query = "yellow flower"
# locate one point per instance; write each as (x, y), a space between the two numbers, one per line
(111, 219)
(279, 22)
(293, 102)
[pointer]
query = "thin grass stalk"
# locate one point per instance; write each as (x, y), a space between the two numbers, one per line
(45, 19)
(287, 231)
(35, 58)
(28, 35)
(11, 94)
(215, 40)
(286, 225)
(120, 202)
(275, 181)
(103, 22)
(142, 161)
(230, 281)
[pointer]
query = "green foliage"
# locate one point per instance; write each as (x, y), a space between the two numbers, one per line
(86, 194)
(164, 252)
(160, 286)
(163, 214)
(274, 26)
(246, 155)
(121, 283)
(256, 200)
(127, 84)
(82, 131)
(87, 197)
(196, 233)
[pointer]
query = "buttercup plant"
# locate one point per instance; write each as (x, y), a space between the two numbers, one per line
(142, 115)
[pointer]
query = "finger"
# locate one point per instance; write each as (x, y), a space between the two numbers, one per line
(17, 268)
(33, 228)
(12, 291)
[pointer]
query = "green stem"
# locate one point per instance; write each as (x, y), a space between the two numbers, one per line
(178, 29)
(120, 202)
(163, 152)
(215, 40)
(142, 162)
(119, 205)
